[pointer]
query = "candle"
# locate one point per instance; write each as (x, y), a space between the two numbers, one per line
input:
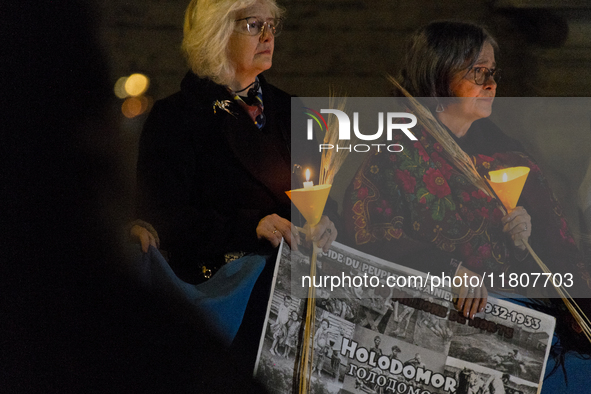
(308, 183)
(508, 184)
(310, 201)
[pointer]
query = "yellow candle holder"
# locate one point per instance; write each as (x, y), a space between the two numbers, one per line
(310, 201)
(508, 184)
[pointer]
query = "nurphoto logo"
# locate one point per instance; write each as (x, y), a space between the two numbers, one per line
(392, 120)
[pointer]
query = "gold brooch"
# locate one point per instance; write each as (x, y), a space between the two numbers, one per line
(223, 105)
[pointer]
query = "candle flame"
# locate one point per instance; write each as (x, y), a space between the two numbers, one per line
(505, 177)
(307, 174)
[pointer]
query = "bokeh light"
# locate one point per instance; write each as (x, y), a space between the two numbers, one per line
(132, 89)
(120, 88)
(134, 106)
(136, 84)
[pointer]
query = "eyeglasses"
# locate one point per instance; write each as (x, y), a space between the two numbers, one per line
(253, 26)
(482, 74)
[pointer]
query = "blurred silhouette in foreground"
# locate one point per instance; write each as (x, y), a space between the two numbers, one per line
(72, 319)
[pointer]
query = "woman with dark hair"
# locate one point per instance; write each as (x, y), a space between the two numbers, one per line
(438, 52)
(444, 60)
(418, 209)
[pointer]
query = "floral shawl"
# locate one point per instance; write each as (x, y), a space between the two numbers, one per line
(415, 209)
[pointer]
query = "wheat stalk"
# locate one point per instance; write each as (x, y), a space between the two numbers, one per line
(331, 162)
(333, 159)
(568, 300)
(305, 370)
(451, 150)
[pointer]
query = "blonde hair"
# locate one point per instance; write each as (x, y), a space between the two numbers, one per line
(207, 30)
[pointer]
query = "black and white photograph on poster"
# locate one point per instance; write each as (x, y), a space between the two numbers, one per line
(409, 318)
(381, 364)
(289, 259)
(498, 343)
(283, 324)
(400, 321)
(328, 364)
(345, 308)
(287, 311)
(280, 343)
(394, 339)
(278, 355)
(475, 379)
(431, 328)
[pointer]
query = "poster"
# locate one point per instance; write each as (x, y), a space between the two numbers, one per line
(385, 338)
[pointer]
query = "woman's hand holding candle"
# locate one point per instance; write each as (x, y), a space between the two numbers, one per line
(324, 233)
(518, 225)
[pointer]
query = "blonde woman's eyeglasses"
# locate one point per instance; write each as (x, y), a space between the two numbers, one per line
(253, 26)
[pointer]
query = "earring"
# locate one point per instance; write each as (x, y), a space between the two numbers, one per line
(439, 107)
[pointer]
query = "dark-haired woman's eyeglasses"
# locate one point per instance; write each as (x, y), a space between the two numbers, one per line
(253, 26)
(482, 74)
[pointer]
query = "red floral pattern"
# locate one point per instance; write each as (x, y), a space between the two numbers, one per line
(408, 182)
(417, 198)
(436, 183)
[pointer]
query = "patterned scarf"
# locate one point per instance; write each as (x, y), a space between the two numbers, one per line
(400, 203)
(254, 108)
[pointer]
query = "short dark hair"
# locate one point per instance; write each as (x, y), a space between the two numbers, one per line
(438, 51)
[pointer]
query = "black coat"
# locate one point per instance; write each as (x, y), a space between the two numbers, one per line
(207, 178)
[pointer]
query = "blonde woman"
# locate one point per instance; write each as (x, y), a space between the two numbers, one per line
(214, 159)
